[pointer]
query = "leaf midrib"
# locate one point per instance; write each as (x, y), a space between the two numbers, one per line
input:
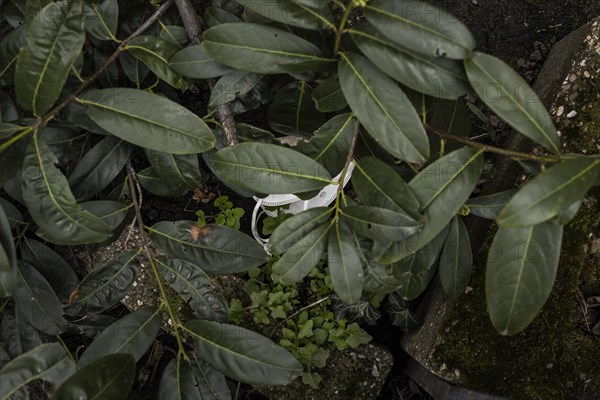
(519, 106)
(380, 105)
(451, 179)
(144, 120)
(419, 26)
(568, 182)
(240, 355)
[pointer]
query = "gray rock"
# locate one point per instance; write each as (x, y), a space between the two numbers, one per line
(357, 374)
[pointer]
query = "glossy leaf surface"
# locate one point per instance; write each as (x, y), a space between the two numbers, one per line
(520, 272)
(512, 99)
(551, 192)
(132, 334)
(261, 49)
(269, 169)
(215, 249)
(53, 44)
(383, 109)
(456, 260)
(255, 360)
(148, 120)
(109, 378)
(421, 27)
(195, 287)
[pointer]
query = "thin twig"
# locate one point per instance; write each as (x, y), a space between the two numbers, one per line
(85, 84)
(191, 21)
(490, 149)
(134, 187)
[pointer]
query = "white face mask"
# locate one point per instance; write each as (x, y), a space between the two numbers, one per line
(296, 205)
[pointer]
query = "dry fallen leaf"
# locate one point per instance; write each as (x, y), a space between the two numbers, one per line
(195, 232)
(203, 197)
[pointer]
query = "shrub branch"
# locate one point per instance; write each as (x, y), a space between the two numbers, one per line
(490, 149)
(191, 22)
(86, 83)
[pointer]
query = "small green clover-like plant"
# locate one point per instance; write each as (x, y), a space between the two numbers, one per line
(308, 331)
(228, 215)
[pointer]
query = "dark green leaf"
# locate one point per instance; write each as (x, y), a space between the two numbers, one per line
(551, 192)
(520, 272)
(15, 218)
(194, 286)
(378, 185)
(33, 7)
(37, 302)
(109, 378)
(112, 213)
(302, 257)
(378, 278)
(331, 143)
(158, 186)
(421, 27)
(512, 99)
(105, 285)
(10, 45)
(148, 120)
(55, 269)
(456, 260)
(416, 271)
(176, 35)
(214, 248)
(102, 18)
(442, 188)
(489, 206)
(133, 334)
(293, 229)
(399, 313)
(383, 109)
(192, 380)
(380, 223)
(155, 53)
(437, 77)
(255, 360)
(261, 49)
(345, 264)
(215, 16)
(91, 325)
(53, 44)
(249, 133)
(18, 335)
(99, 167)
(50, 201)
(134, 68)
(233, 85)
(328, 96)
(292, 13)
(193, 62)
(293, 111)
(269, 169)
(181, 170)
(48, 362)
(8, 257)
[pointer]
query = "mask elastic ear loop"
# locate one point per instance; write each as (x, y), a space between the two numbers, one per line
(254, 226)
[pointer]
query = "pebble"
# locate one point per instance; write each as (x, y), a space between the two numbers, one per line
(560, 111)
(572, 114)
(586, 74)
(572, 78)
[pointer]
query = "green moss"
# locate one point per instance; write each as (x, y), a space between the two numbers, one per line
(548, 359)
(552, 358)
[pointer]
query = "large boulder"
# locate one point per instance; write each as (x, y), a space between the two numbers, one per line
(556, 357)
